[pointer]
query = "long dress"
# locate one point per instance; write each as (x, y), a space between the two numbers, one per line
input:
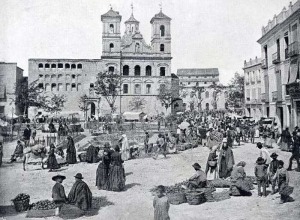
(52, 162)
(211, 169)
(240, 185)
(226, 162)
(161, 208)
(71, 152)
(116, 176)
(125, 149)
(80, 195)
(92, 154)
(102, 172)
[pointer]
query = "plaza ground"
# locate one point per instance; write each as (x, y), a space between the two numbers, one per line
(143, 174)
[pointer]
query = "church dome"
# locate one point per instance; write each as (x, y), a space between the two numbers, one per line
(132, 20)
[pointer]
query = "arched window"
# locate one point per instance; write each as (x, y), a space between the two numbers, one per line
(162, 71)
(47, 65)
(111, 28)
(41, 75)
(68, 77)
(148, 88)
(47, 77)
(79, 66)
(137, 47)
(78, 86)
(137, 89)
(111, 69)
(47, 87)
(41, 65)
(73, 66)
(53, 76)
(148, 71)
(162, 30)
(67, 66)
(125, 88)
(126, 70)
(60, 87)
(91, 85)
(207, 106)
(60, 66)
(41, 85)
(206, 94)
(137, 70)
(59, 76)
(53, 65)
(111, 47)
(73, 87)
(73, 76)
(162, 48)
(53, 87)
(79, 78)
(68, 87)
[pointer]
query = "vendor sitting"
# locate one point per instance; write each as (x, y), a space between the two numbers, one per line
(198, 180)
(18, 152)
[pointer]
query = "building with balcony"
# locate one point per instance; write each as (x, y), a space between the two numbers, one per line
(143, 67)
(196, 91)
(10, 76)
(280, 63)
(254, 88)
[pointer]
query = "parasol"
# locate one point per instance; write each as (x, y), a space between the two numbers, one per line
(184, 125)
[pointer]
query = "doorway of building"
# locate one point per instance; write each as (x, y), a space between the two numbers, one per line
(280, 115)
(268, 112)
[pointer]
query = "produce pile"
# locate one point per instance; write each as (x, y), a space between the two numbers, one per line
(21, 197)
(43, 205)
(177, 188)
(219, 183)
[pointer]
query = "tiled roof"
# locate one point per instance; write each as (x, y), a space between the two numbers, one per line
(111, 13)
(160, 15)
(198, 72)
(132, 19)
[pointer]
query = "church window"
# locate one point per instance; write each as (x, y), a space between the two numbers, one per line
(73, 86)
(111, 69)
(47, 65)
(162, 48)
(111, 28)
(148, 88)
(148, 71)
(126, 70)
(206, 94)
(137, 70)
(162, 30)
(137, 47)
(73, 66)
(53, 65)
(53, 86)
(67, 66)
(125, 88)
(79, 66)
(60, 65)
(137, 89)
(111, 46)
(41, 65)
(162, 71)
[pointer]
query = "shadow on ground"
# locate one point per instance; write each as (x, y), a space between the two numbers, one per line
(131, 185)
(8, 211)
(98, 203)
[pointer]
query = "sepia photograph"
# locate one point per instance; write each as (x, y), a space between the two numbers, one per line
(150, 110)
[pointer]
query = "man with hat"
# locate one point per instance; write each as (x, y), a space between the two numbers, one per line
(58, 193)
(272, 170)
(295, 152)
(80, 194)
(18, 153)
(198, 180)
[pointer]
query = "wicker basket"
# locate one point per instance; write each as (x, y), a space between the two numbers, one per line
(195, 198)
(21, 205)
(176, 198)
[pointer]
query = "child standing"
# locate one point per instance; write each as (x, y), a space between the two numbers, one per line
(58, 193)
(261, 176)
(161, 205)
(282, 177)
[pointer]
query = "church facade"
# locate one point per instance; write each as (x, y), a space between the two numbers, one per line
(143, 67)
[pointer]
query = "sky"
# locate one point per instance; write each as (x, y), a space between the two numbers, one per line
(205, 33)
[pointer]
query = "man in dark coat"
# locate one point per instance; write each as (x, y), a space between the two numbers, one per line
(71, 151)
(296, 152)
(226, 162)
(80, 194)
(92, 154)
(27, 135)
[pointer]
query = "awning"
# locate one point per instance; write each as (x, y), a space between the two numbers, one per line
(294, 68)
(2, 92)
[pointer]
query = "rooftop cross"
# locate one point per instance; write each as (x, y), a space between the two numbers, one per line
(160, 6)
(131, 8)
(110, 7)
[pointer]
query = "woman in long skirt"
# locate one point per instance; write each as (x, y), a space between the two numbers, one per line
(103, 169)
(71, 151)
(52, 162)
(116, 177)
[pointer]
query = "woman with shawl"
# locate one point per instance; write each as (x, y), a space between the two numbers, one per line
(240, 185)
(226, 162)
(125, 150)
(71, 151)
(103, 169)
(212, 163)
(116, 178)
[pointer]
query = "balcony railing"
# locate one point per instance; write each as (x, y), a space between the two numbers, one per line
(286, 53)
(264, 64)
(275, 58)
(294, 49)
(274, 96)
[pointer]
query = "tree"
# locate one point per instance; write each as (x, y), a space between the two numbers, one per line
(137, 103)
(83, 105)
(165, 95)
(108, 85)
(218, 88)
(236, 92)
(32, 94)
(56, 104)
